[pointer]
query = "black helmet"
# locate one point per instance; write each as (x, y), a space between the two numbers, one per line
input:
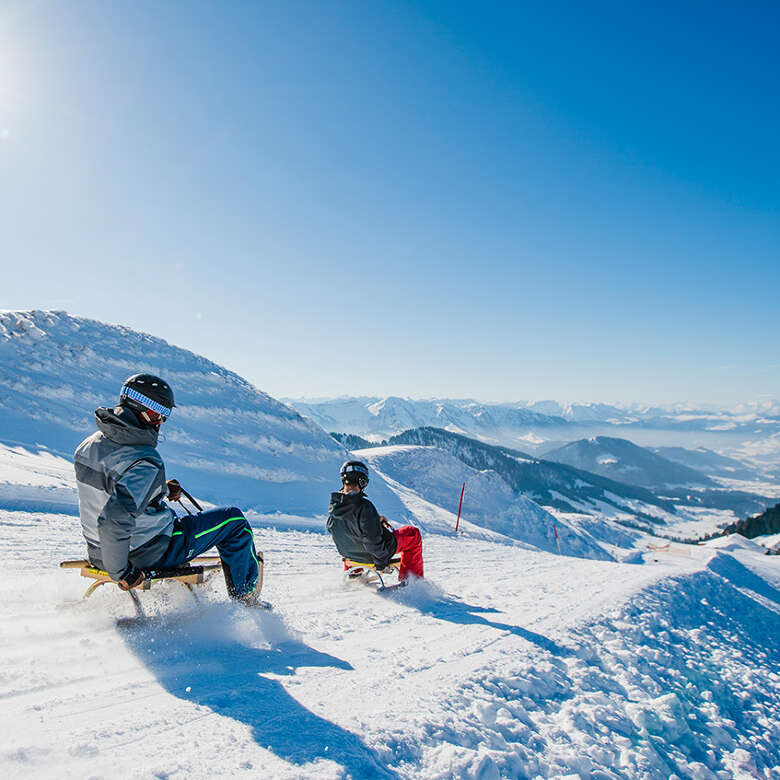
(354, 472)
(146, 391)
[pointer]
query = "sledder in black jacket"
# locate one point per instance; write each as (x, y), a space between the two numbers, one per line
(363, 535)
(357, 531)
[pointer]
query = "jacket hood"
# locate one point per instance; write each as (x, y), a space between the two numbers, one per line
(121, 426)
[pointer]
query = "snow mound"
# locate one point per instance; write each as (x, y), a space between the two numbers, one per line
(227, 441)
(488, 500)
(734, 542)
(36, 480)
(526, 520)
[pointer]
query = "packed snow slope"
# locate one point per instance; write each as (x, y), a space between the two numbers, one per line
(505, 663)
(489, 501)
(227, 442)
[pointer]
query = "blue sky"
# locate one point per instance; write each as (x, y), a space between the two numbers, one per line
(494, 200)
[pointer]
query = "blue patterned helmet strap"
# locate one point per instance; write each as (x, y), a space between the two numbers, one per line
(129, 392)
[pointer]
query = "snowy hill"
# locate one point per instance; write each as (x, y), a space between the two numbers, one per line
(489, 502)
(624, 461)
(708, 462)
(767, 523)
(226, 441)
(549, 484)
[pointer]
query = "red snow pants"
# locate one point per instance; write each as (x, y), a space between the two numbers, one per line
(410, 549)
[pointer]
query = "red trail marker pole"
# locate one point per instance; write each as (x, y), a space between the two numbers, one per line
(460, 506)
(558, 541)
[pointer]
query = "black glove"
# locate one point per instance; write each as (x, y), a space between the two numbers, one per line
(174, 489)
(380, 567)
(131, 578)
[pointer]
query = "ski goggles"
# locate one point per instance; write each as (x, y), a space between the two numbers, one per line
(153, 418)
(149, 403)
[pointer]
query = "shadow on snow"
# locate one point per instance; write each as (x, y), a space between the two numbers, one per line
(741, 577)
(443, 607)
(209, 659)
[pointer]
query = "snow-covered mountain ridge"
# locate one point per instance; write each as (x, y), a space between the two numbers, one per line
(750, 432)
(380, 417)
(624, 461)
(227, 441)
(491, 503)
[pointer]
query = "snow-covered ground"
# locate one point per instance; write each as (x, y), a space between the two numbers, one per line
(36, 477)
(505, 663)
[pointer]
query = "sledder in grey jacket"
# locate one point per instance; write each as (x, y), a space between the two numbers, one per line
(121, 483)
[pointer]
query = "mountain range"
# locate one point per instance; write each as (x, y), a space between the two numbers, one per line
(708, 462)
(749, 434)
(489, 501)
(590, 475)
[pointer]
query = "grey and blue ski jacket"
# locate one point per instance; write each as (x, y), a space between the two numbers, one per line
(121, 482)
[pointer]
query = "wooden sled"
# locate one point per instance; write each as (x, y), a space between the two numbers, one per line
(683, 550)
(367, 573)
(198, 571)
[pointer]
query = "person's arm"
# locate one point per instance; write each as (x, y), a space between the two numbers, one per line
(373, 540)
(131, 494)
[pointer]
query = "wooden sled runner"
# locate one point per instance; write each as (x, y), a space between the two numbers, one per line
(368, 574)
(197, 572)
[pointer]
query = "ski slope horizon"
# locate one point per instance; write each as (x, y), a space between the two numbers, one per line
(234, 444)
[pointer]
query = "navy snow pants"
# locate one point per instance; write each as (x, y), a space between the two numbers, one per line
(228, 530)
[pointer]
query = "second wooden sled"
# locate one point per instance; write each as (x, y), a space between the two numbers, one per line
(367, 573)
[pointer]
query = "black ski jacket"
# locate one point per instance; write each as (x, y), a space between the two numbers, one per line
(357, 531)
